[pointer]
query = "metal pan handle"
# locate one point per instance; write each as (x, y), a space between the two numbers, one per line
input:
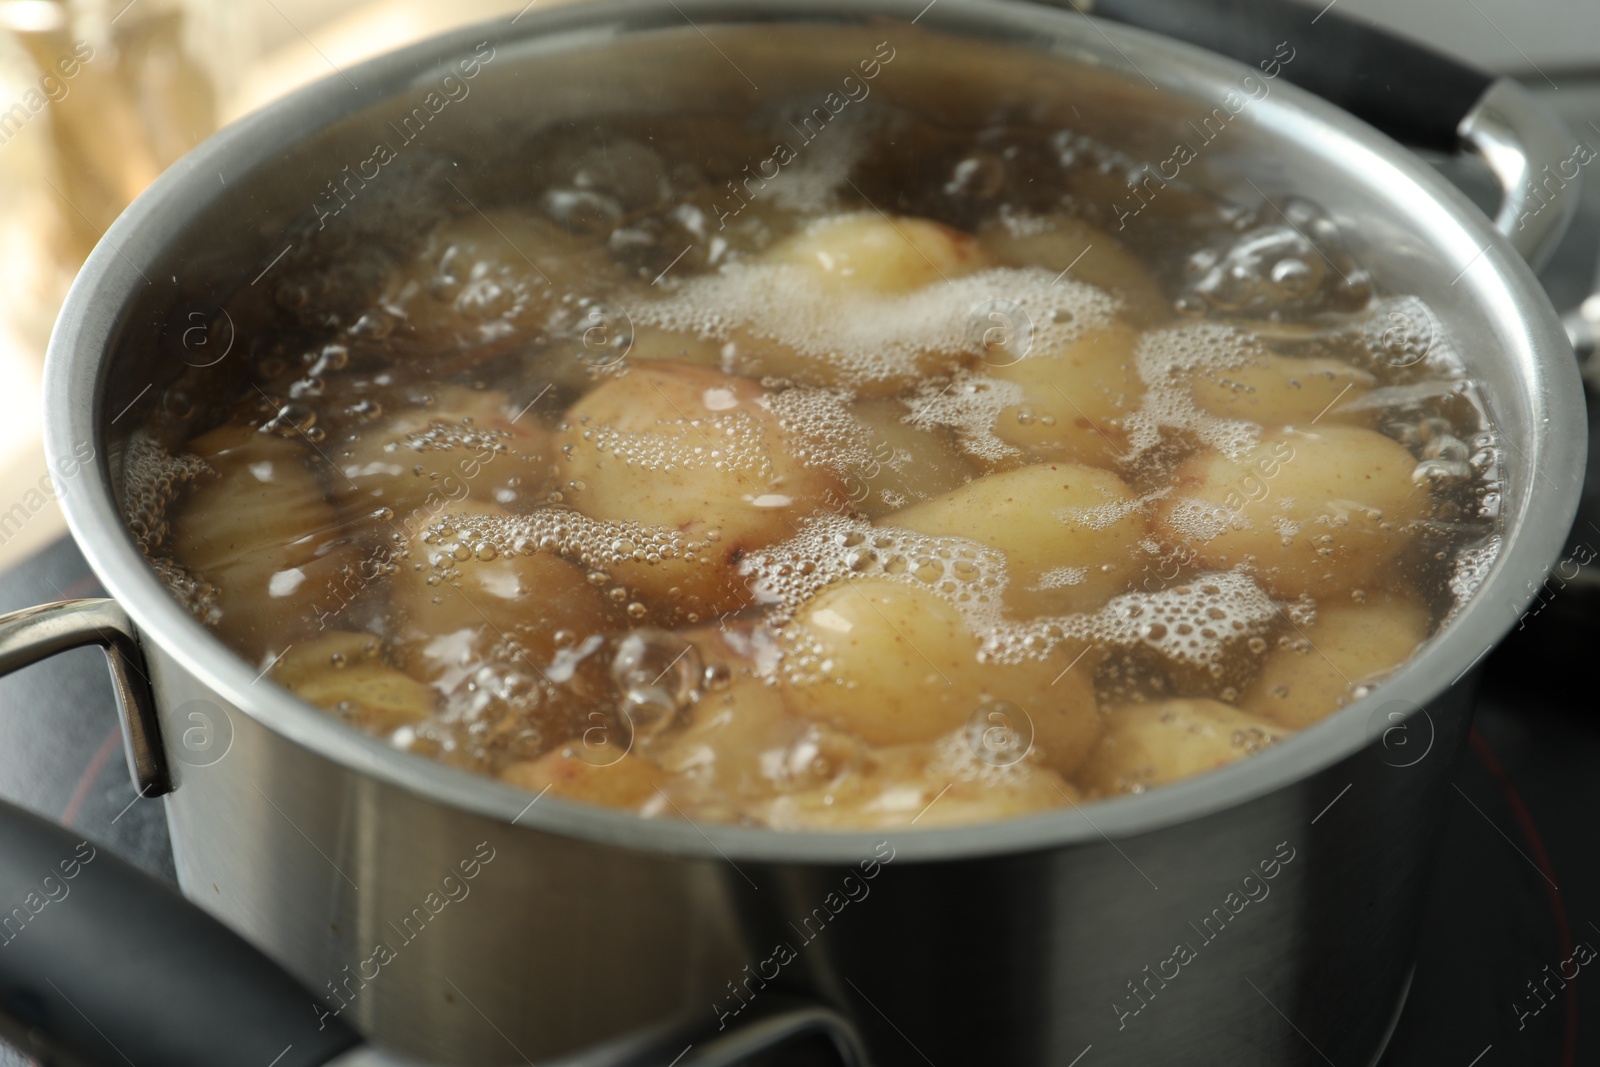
(33, 634)
(1414, 94)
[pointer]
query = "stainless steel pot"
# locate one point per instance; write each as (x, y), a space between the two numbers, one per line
(1294, 878)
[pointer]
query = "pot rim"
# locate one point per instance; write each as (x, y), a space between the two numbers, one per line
(110, 279)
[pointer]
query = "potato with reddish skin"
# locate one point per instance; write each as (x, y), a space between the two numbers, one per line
(1084, 253)
(1070, 533)
(452, 608)
(1074, 396)
(468, 444)
(1315, 511)
(1154, 744)
(896, 663)
(264, 534)
(344, 673)
(699, 453)
(1314, 671)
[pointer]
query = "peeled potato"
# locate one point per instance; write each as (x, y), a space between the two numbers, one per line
(593, 776)
(1074, 396)
(453, 608)
(1315, 671)
(344, 673)
(1153, 744)
(700, 453)
(1070, 533)
(895, 663)
(1274, 390)
(1311, 511)
(264, 534)
(1092, 254)
(876, 254)
(921, 787)
(469, 445)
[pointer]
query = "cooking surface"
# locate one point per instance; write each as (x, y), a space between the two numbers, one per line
(1518, 883)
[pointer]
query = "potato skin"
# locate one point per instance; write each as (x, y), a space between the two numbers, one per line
(877, 254)
(603, 778)
(469, 445)
(698, 452)
(1093, 256)
(1154, 744)
(920, 784)
(895, 664)
(1045, 517)
(1273, 390)
(1316, 511)
(264, 534)
(1074, 396)
(1311, 674)
(450, 612)
(343, 673)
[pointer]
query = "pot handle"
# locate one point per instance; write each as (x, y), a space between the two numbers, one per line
(1410, 92)
(33, 634)
(102, 965)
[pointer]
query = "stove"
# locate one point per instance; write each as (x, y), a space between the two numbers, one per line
(1515, 905)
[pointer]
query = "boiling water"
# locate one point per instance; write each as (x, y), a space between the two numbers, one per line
(387, 509)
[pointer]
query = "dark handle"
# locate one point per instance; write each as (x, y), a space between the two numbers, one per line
(102, 964)
(1414, 94)
(1409, 91)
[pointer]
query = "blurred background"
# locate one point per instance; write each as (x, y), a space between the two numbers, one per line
(98, 96)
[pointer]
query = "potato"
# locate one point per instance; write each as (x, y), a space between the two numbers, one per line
(264, 534)
(921, 787)
(484, 283)
(737, 729)
(344, 673)
(1074, 396)
(1315, 671)
(876, 254)
(907, 464)
(895, 663)
(1153, 744)
(1313, 511)
(1070, 533)
(593, 776)
(700, 453)
(452, 608)
(1093, 255)
(650, 344)
(1273, 390)
(468, 445)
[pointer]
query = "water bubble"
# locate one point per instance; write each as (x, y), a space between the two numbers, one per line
(1401, 331)
(659, 674)
(582, 211)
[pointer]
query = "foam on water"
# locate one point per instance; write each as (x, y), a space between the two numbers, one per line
(870, 337)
